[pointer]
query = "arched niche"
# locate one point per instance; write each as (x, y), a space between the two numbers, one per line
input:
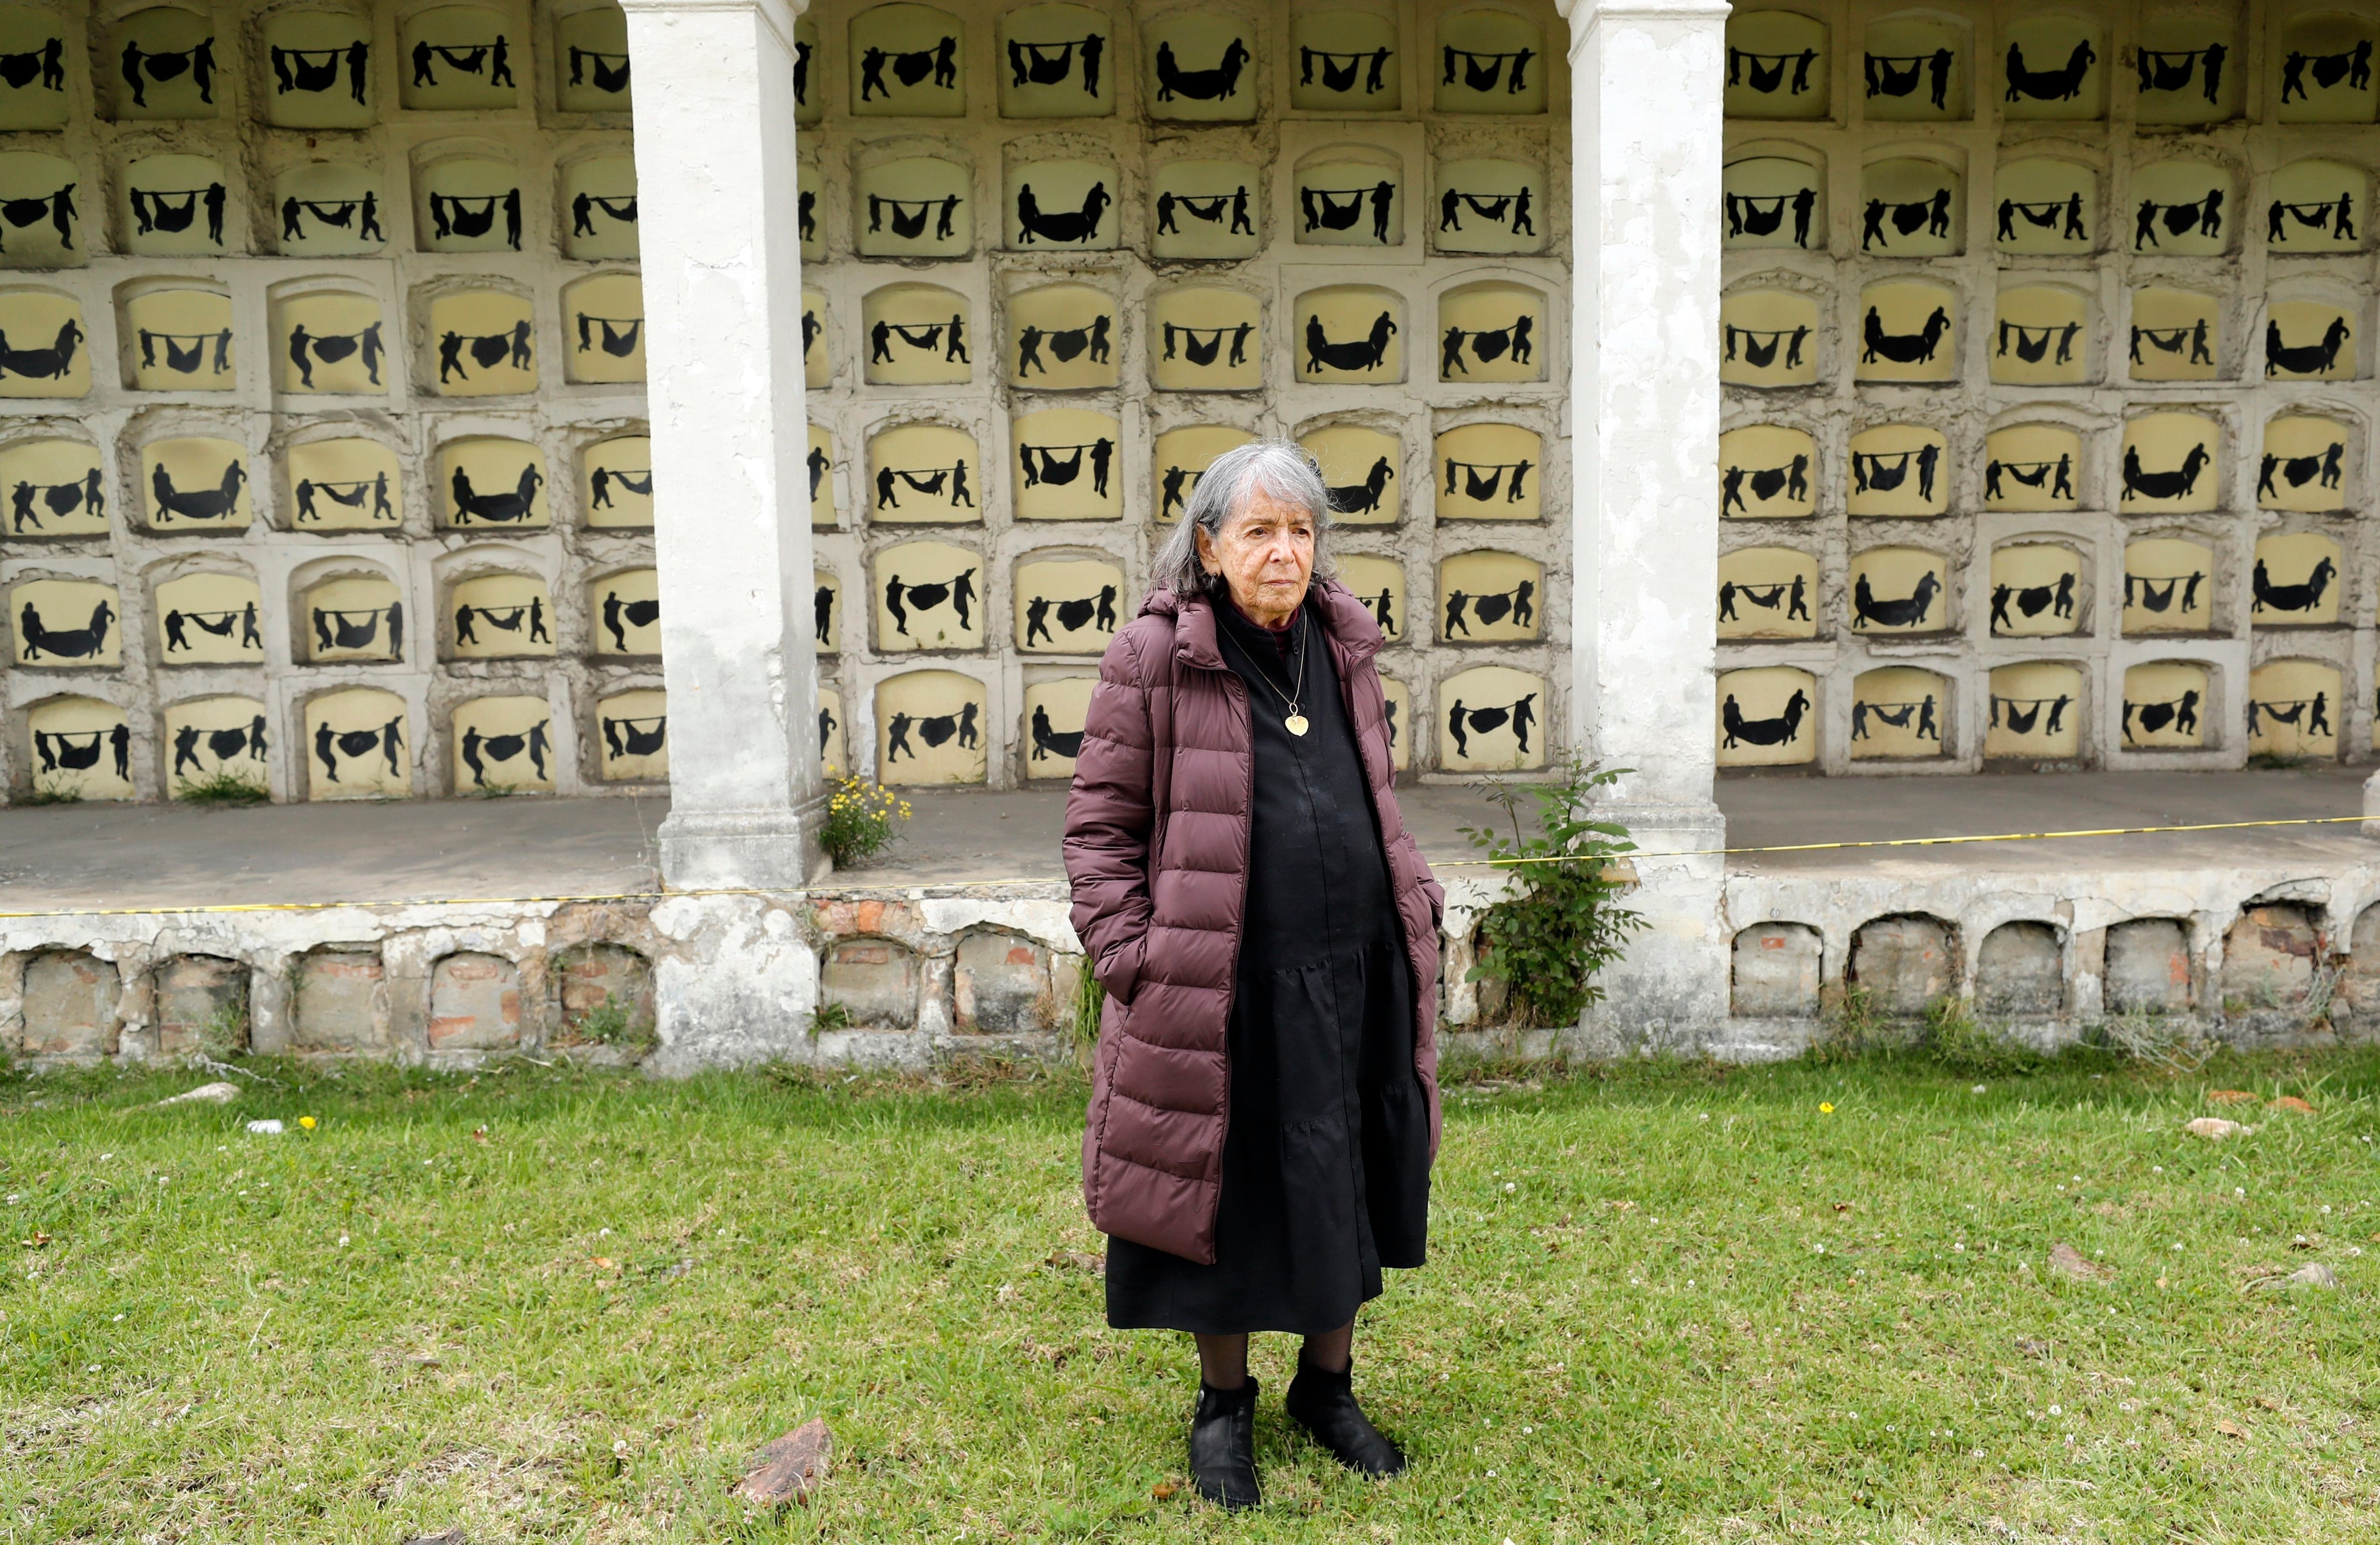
(1206, 208)
(605, 313)
(1768, 592)
(483, 343)
(1068, 464)
(43, 212)
(2031, 468)
(75, 625)
(908, 61)
(2047, 206)
(930, 729)
(819, 466)
(2192, 67)
(171, 206)
(2183, 208)
(1487, 597)
(58, 365)
(194, 483)
(1493, 718)
(2170, 464)
(928, 595)
(80, 748)
(2169, 585)
(343, 484)
(1900, 469)
(632, 737)
(1350, 195)
(2294, 707)
(1063, 337)
(211, 740)
(1773, 199)
(1898, 591)
(328, 341)
(2036, 712)
(1062, 206)
(1766, 718)
(2320, 68)
(1489, 332)
(1181, 455)
(56, 488)
(351, 613)
(599, 200)
(168, 65)
(1205, 338)
(457, 58)
(2317, 206)
(1059, 62)
(1492, 206)
(2299, 580)
(319, 70)
(2056, 69)
(834, 747)
(918, 336)
(1345, 60)
(826, 605)
(498, 614)
(1777, 63)
(1767, 337)
(1490, 472)
(1898, 711)
(1908, 332)
(2041, 335)
(359, 745)
(627, 608)
(2167, 706)
(2038, 590)
(502, 745)
(1360, 466)
(1915, 67)
(1350, 335)
(1492, 61)
(2311, 338)
(1911, 206)
(487, 482)
(590, 60)
(209, 617)
(1067, 603)
(615, 482)
(178, 337)
(919, 206)
(2304, 464)
(1055, 711)
(329, 209)
(1200, 68)
(924, 474)
(467, 202)
(1380, 584)
(35, 93)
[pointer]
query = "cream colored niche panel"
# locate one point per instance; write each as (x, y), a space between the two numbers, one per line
(906, 62)
(321, 69)
(166, 65)
(1380, 584)
(208, 739)
(1062, 338)
(600, 194)
(2031, 468)
(1768, 338)
(2191, 67)
(1351, 196)
(503, 745)
(1772, 201)
(70, 623)
(1205, 209)
(1898, 711)
(1911, 207)
(2041, 336)
(1908, 331)
(2056, 69)
(2176, 334)
(2163, 704)
(2043, 206)
(927, 597)
(58, 367)
(2296, 581)
(1763, 592)
(1068, 204)
(467, 203)
(918, 207)
(827, 606)
(1491, 61)
(2168, 585)
(1055, 711)
(1359, 468)
(930, 728)
(486, 344)
(180, 340)
(818, 356)
(1916, 69)
(2308, 340)
(343, 485)
(1351, 335)
(2317, 206)
(1488, 332)
(55, 488)
(590, 62)
(502, 616)
(1495, 473)
(354, 617)
(2303, 466)
(328, 209)
(626, 607)
(1764, 717)
(2293, 708)
(1898, 589)
(195, 484)
(209, 619)
(171, 206)
(2036, 589)
(1493, 206)
(490, 482)
(1490, 598)
(329, 343)
(607, 313)
(809, 78)
(1495, 720)
(1182, 456)
(616, 482)
(81, 748)
(2169, 463)
(1198, 69)
(1060, 63)
(916, 336)
(2036, 712)
(1396, 703)
(358, 746)
(1897, 470)
(1203, 338)
(34, 64)
(1346, 62)
(1066, 466)
(924, 474)
(2182, 208)
(456, 58)
(2320, 65)
(821, 466)
(633, 728)
(1766, 473)
(1776, 65)
(1067, 606)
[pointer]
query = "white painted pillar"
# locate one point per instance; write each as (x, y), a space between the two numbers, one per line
(721, 249)
(1647, 117)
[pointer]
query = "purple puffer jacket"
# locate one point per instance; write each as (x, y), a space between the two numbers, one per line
(1167, 769)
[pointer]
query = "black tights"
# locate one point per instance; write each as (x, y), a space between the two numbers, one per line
(1223, 1361)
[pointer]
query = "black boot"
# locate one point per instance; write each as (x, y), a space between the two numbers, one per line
(1223, 1446)
(1324, 1404)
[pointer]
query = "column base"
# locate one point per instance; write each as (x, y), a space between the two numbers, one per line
(761, 850)
(1669, 992)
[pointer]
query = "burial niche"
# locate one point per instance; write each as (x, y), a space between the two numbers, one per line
(209, 618)
(817, 358)
(1205, 209)
(329, 341)
(930, 728)
(1771, 200)
(2304, 465)
(1058, 63)
(2182, 208)
(590, 60)
(632, 737)
(2176, 334)
(81, 749)
(599, 195)
(2308, 340)
(484, 343)
(906, 62)
(488, 482)
(1494, 207)
(1360, 468)
(356, 615)
(34, 62)
(2169, 463)
(1908, 332)
(2036, 712)
(195, 484)
(919, 206)
(210, 740)
(67, 624)
(1489, 598)
(1899, 590)
(1900, 469)
(2043, 205)
(1068, 466)
(1344, 60)
(616, 481)
(1915, 68)
(2056, 67)
(1200, 68)
(1181, 458)
(2317, 206)
(467, 203)
(359, 746)
(1063, 337)
(924, 474)
(918, 336)
(835, 747)
(1055, 710)
(173, 206)
(343, 485)
(820, 466)
(1768, 592)
(320, 68)
(1489, 61)
(1067, 603)
(178, 340)
(1489, 332)
(606, 315)
(2168, 586)
(1767, 337)
(502, 616)
(2297, 580)
(1204, 339)
(1065, 205)
(1766, 472)
(1776, 65)
(2293, 709)
(2191, 66)
(1379, 585)
(2041, 336)
(503, 745)
(55, 488)
(1764, 717)
(1350, 335)
(165, 63)
(1494, 720)
(1492, 472)
(827, 608)
(928, 596)
(2037, 589)
(49, 360)
(455, 59)
(626, 607)
(2322, 68)
(1898, 711)
(2031, 468)
(1911, 207)
(328, 209)
(1351, 196)
(2165, 706)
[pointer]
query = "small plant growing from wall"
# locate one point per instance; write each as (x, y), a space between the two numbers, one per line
(55, 792)
(221, 790)
(862, 820)
(828, 1015)
(1549, 942)
(612, 1022)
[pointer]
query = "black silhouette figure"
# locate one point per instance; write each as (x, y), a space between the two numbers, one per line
(1339, 69)
(211, 503)
(1078, 225)
(909, 69)
(2202, 214)
(1904, 348)
(77, 643)
(1909, 612)
(491, 59)
(2335, 216)
(141, 66)
(1048, 63)
(58, 499)
(47, 62)
(1480, 72)
(2293, 598)
(2062, 84)
(501, 508)
(2314, 359)
(1759, 346)
(644, 736)
(2180, 713)
(1479, 480)
(1764, 73)
(1201, 85)
(1210, 207)
(1363, 498)
(1049, 741)
(623, 208)
(1365, 354)
(2171, 69)
(487, 350)
(175, 210)
(611, 70)
(822, 606)
(478, 749)
(900, 599)
(2177, 484)
(2353, 66)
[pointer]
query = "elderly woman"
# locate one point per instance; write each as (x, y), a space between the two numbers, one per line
(1264, 1106)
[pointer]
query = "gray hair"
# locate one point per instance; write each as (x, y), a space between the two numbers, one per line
(1276, 467)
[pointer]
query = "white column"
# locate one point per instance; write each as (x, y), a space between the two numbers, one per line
(1647, 113)
(719, 192)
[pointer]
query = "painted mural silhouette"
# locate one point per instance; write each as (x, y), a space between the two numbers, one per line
(518, 504)
(196, 503)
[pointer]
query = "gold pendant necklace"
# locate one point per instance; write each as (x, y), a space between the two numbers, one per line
(1294, 721)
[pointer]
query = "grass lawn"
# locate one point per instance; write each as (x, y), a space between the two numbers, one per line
(1665, 1303)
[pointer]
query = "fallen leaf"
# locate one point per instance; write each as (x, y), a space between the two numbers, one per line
(791, 1468)
(2069, 1262)
(2268, 1403)
(2230, 1430)
(1843, 1207)
(1078, 1261)
(1163, 1490)
(604, 1263)
(2215, 1126)
(2291, 1102)
(36, 1242)
(2230, 1097)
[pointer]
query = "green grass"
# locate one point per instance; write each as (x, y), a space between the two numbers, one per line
(1664, 1303)
(222, 788)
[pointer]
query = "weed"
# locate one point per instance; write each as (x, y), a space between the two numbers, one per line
(1956, 1039)
(612, 1022)
(57, 791)
(1090, 1001)
(1548, 943)
(1851, 1029)
(830, 1015)
(224, 1034)
(221, 789)
(2170, 1043)
(862, 820)
(494, 791)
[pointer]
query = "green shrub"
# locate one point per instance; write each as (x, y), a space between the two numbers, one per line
(611, 1023)
(830, 1016)
(220, 788)
(57, 791)
(1547, 943)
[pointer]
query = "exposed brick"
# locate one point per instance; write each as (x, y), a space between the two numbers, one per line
(1904, 963)
(2020, 969)
(191, 990)
(69, 1005)
(342, 1002)
(474, 1003)
(1777, 971)
(875, 980)
(1005, 984)
(2148, 967)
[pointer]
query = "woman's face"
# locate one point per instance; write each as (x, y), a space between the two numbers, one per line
(1264, 554)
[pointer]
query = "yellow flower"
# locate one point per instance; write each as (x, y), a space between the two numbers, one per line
(306, 1122)
(1825, 1109)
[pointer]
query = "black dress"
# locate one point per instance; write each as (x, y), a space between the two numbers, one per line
(1326, 1153)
